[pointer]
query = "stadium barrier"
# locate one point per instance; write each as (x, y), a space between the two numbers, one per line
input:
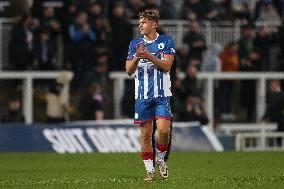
(119, 85)
(259, 141)
(209, 79)
(99, 136)
(254, 137)
(27, 95)
(234, 128)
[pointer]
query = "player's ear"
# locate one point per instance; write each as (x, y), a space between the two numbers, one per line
(155, 25)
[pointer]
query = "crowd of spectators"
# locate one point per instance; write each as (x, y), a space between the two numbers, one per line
(91, 38)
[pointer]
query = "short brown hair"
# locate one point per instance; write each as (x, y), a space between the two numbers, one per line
(152, 14)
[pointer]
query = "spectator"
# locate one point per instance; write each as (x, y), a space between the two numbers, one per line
(226, 9)
(229, 58)
(264, 40)
(133, 7)
(189, 83)
(93, 103)
(194, 110)
(179, 98)
(21, 46)
(279, 5)
(49, 22)
(211, 8)
(95, 12)
(45, 52)
(103, 31)
(98, 74)
(82, 38)
(14, 112)
(275, 105)
(268, 13)
(83, 5)
(243, 14)
(281, 48)
(67, 18)
(195, 41)
(58, 99)
(248, 87)
(121, 37)
(193, 10)
(230, 63)
(168, 10)
(246, 43)
(182, 58)
(211, 61)
(151, 4)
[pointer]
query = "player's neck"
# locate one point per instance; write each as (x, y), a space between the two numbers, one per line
(151, 36)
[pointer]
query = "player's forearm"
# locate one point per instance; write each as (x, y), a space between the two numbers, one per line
(164, 65)
(131, 66)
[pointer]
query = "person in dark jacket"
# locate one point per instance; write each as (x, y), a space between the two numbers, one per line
(194, 111)
(82, 38)
(275, 105)
(195, 41)
(121, 36)
(14, 112)
(21, 46)
(44, 52)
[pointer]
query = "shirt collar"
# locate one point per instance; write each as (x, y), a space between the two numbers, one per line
(152, 40)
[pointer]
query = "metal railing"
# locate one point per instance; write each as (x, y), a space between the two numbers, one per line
(209, 79)
(259, 141)
(27, 96)
(223, 32)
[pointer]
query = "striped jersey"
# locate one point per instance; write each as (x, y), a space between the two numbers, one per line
(150, 81)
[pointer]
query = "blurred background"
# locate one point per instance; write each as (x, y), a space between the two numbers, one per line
(64, 61)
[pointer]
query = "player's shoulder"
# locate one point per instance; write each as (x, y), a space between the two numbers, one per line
(166, 38)
(135, 41)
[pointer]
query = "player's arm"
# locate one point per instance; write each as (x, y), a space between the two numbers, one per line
(164, 64)
(132, 59)
(131, 65)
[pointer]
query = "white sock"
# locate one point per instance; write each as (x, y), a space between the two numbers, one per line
(161, 155)
(149, 165)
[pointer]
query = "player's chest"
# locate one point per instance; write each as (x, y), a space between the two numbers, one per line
(156, 48)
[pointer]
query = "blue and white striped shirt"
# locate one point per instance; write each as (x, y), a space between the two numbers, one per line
(150, 81)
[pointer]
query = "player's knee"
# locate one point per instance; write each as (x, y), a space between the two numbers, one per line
(164, 131)
(146, 136)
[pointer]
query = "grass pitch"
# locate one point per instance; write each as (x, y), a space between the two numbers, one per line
(120, 171)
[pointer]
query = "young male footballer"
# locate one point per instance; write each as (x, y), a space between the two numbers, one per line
(150, 58)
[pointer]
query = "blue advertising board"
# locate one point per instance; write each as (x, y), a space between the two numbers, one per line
(104, 137)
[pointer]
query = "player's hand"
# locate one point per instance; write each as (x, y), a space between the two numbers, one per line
(143, 54)
(142, 51)
(139, 48)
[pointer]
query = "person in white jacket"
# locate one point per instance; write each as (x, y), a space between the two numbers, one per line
(58, 99)
(211, 61)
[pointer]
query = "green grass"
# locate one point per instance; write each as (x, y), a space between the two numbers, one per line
(187, 170)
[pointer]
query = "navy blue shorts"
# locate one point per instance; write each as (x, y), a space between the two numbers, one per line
(147, 110)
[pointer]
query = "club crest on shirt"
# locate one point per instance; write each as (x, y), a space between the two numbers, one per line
(161, 46)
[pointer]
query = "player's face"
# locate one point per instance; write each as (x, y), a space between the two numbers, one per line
(147, 26)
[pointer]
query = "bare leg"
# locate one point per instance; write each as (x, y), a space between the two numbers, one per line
(147, 149)
(146, 137)
(163, 128)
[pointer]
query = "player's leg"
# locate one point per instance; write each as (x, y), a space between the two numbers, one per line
(144, 116)
(163, 129)
(147, 149)
(163, 121)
